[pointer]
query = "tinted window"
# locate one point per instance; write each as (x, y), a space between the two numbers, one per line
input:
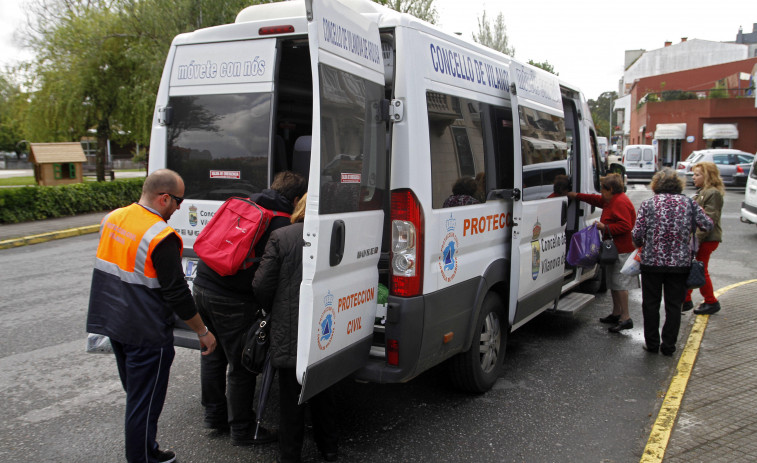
(544, 150)
(458, 150)
(353, 143)
(219, 144)
(720, 159)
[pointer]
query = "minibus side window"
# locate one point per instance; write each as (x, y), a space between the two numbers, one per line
(353, 140)
(544, 151)
(458, 154)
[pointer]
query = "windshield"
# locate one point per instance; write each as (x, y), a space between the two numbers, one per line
(219, 144)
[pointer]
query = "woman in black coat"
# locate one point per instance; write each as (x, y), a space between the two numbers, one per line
(277, 285)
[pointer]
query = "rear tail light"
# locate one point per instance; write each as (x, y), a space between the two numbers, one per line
(407, 244)
(681, 166)
(739, 170)
(393, 352)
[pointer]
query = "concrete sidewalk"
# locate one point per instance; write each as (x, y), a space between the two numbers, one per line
(710, 410)
(39, 231)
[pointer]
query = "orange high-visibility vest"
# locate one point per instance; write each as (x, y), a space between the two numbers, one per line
(125, 299)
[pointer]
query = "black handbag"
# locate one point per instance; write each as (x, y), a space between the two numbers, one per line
(696, 270)
(609, 253)
(696, 275)
(257, 340)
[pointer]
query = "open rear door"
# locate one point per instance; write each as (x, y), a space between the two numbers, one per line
(346, 192)
(538, 233)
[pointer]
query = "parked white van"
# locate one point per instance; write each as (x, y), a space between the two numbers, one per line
(384, 113)
(749, 206)
(640, 161)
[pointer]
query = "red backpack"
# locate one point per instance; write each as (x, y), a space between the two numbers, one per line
(227, 243)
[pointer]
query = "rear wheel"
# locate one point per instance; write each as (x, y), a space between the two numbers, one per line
(478, 369)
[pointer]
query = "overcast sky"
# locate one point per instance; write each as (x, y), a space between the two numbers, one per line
(584, 42)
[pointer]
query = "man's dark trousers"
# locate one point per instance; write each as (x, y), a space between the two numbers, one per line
(144, 375)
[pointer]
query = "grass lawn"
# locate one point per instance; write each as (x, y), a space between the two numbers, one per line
(29, 180)
(18, 181)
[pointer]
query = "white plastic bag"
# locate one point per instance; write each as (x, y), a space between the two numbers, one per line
(633, 264)
(98, 344)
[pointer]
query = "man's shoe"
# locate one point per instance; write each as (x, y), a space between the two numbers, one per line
(687, 305)
(651, 350)
(707, 309)
(625, 325)
(165, 456)
(263, 436)
(611, 319)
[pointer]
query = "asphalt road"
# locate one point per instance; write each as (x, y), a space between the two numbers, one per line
(570, 391)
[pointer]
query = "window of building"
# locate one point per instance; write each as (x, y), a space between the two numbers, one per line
(64, 170)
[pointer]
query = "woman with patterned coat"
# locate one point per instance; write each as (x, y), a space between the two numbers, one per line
(663, 227)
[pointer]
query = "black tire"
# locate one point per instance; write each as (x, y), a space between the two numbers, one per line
(477, 369)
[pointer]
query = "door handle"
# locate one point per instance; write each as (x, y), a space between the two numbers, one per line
(506, 194)
(337, 243)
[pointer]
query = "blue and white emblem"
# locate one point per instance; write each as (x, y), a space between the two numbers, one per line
(449, 250)
(325, 332)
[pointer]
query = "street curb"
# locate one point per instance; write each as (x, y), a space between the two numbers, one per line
(666, 418)
(43, 237)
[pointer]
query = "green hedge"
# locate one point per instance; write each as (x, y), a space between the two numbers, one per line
(43, 202)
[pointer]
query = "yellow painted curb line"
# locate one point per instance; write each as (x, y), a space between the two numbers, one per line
(41, 238)
(663, 426)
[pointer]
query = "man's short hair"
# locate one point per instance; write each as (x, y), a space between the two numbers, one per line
(290, 185)
(161, 181)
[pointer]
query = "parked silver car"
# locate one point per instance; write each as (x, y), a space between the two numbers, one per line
(734, 165)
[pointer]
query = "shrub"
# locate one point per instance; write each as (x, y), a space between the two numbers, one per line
(42, 202)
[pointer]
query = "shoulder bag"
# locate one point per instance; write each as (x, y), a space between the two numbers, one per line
(696, 271)
(609, 253)
(256, 342)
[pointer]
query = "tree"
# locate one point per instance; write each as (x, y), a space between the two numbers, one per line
(12, 104)
(494, 36)
(421, 9)
(601, 114)
(545, 65)
(99, 64)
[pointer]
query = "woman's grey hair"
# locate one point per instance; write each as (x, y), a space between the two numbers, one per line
(666, 181)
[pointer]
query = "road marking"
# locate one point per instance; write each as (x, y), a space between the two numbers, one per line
(663, 425)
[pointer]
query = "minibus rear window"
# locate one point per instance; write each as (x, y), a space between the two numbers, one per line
(219, 143)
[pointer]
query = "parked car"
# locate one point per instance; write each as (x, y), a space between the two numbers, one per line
(749, 206)
(734, 165)
(640, 161)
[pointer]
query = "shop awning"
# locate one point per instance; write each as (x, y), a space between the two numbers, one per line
(670, 132)
(713, 131)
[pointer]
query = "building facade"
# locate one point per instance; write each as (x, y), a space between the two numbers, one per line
(692, 95)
